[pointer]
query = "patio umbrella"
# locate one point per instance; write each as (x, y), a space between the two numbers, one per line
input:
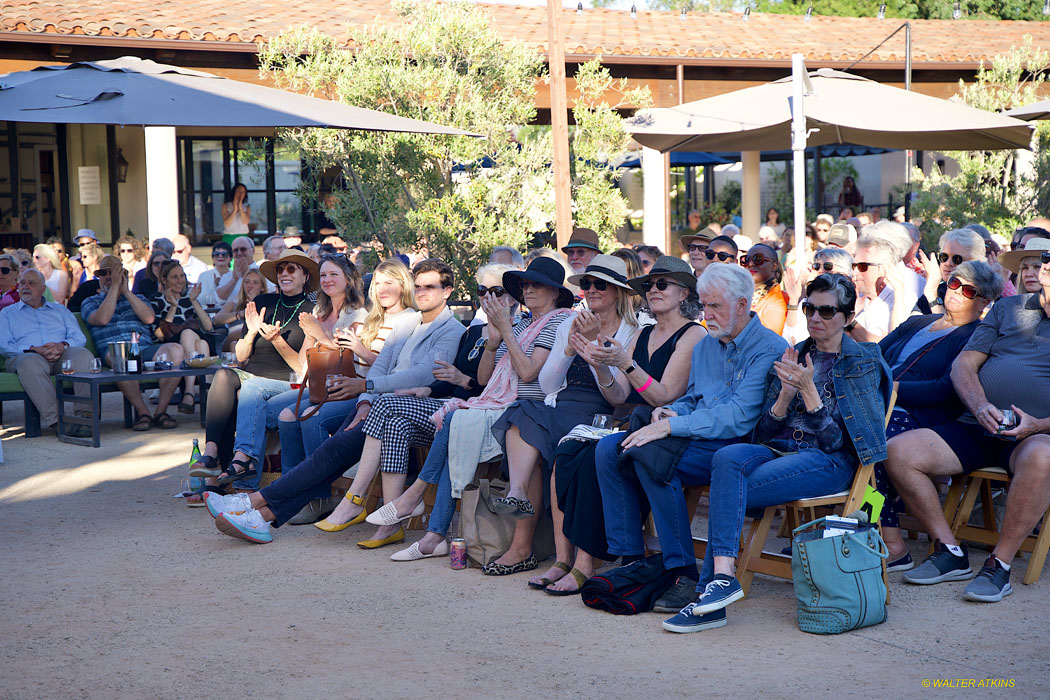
(133, 91)
(844, 107)
(1032, 112)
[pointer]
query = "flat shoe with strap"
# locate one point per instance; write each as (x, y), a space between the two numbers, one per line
(327, 526)
(412, 553)
(398, 536)
(387, 514)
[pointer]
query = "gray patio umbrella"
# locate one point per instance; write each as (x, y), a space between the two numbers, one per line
(844, 107)
(133, 91)
(1032, 112)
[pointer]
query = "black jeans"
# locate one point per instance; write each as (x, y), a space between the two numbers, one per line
(312, 478)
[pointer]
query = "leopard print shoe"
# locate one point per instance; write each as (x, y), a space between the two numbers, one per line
(494, 569)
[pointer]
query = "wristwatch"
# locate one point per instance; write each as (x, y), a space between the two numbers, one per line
(633, 367)
(369, 386)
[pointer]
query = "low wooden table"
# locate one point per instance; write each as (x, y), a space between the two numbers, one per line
(98, 380)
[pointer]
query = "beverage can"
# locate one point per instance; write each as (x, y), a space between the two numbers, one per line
(457, 554)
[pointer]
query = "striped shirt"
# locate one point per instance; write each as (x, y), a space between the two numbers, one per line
(390, 321)
(546, 338)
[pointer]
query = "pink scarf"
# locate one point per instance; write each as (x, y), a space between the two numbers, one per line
(502, 389)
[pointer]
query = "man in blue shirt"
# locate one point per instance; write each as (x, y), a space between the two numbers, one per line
(36, 336)
(727, 388)
(113, 315)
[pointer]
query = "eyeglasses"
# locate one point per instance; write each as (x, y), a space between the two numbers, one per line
(755, 260)
(828, 267)
(476, 350)
(126, 250)
(697, 247)
(497, 292)
(587, 282)
(944, 257)
(287, 267)
(863, 266)
(246, 251)
(968, 290)
(722, 256)
(826, 312)
(660, 284)
(428, 288)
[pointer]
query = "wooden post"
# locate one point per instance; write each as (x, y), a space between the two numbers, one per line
(559, 122)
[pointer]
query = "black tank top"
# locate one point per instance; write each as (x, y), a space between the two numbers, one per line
(655, 365)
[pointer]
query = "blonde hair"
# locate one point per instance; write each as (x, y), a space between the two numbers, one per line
(376, 313)
(49, 253)
(626, 309)
(242, 298)
(91, 250)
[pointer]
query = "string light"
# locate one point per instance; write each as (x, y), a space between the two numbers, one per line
(956, 11)
(882, 11)
(809, 13)
(747, 14)
(634, 12)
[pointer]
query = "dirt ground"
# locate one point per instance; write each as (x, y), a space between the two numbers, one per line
(113, 589)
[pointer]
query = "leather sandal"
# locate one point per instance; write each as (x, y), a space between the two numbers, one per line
(327, 526)
(544, 582)
(142, 423)
(230, 473)
(580, 578)
(205, 466)
(163, 420)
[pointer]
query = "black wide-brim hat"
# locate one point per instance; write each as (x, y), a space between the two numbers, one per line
(545, 271)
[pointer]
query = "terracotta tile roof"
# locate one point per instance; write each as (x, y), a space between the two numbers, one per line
(612, 33)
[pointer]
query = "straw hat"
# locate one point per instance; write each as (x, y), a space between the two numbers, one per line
(605, 267)
(666, 266)
(269, 267)
(1033, 249)
(707, 233)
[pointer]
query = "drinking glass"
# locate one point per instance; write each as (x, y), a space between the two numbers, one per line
(67, 366)
(295, 379)
(601, 421)
(96, 365)
(229, 359)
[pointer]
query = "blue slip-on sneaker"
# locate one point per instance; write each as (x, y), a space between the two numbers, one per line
(685, 621)
(991, 584)
(722, 591)
(903, 563)
(941, 566)
(246, 526)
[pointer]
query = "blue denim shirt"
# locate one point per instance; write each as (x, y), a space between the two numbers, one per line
(863, 385)
(727, 384)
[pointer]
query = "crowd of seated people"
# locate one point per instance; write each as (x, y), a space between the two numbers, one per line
(722, 367)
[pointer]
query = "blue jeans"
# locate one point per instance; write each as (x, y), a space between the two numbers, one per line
(254, 417)
(753, 476)
(621, 500)
(313, 477)
(436, 471)
(301, 438)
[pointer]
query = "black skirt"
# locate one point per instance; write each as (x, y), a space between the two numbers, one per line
(580, 498)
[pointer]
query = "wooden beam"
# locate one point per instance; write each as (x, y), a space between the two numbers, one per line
(559, 124)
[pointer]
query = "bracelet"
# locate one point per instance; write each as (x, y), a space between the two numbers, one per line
(643, 387)
(792, 307)
(612, 381)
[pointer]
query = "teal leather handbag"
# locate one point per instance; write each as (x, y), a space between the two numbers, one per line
(838, 580)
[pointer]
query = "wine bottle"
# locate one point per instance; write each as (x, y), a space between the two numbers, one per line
(134, 356)
(196, 482)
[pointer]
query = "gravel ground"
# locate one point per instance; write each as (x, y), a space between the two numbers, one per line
(113, 589)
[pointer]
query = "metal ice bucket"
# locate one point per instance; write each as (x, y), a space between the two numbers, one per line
(119, 352)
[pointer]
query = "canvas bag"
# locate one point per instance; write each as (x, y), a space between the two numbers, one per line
(487, 534)
(838, 580)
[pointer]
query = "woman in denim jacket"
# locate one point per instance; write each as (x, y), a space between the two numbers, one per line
(826, 409)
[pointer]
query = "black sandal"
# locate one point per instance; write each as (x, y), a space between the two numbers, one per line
(205, 466)
(230, 473)
(142, 423)
(163, 420)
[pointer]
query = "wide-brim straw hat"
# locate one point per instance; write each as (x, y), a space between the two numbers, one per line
(605, 267)
(269, 267)
(667, 266)
(707, 233)
(1033, 249)
(546, 271)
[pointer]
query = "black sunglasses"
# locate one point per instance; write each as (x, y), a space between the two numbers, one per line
(968, 290)
(828, 267)
(102, 272)
(1045, 257)
(944, 257)
(697, 247)
(863, 266)
(661, 284)
(220, 254)
(6, 270)
(826, 312)
(335, 257)
(496, 291)
(757, 259)
(586, 283)
(722, 256)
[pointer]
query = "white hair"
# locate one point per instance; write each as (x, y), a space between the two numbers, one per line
(729, 281)
(515, 255)
(883, 249)
(891, 232)
(730, 230)
(494, 270)
(967, 239)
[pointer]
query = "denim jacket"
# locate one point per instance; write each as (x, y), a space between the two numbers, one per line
(863, 386)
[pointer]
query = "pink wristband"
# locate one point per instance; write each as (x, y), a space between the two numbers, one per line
(643, 387)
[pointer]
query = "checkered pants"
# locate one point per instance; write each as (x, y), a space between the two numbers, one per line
(399, 423)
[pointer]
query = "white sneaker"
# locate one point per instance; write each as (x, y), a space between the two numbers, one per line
(232, 503)
(248, 525)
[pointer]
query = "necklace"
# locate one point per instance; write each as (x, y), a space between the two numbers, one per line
(291, 316)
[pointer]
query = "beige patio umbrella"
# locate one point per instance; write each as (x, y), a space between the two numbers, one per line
(1030, 113)
(844, 108)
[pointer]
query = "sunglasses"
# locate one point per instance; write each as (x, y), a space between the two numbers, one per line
(157, 263)
(476, 350)
(287, 267)
(722, 257)
(24, 263)
(863, 266)
(6, 270)
(532, 284)
(944, 257)
(129, 250)
(497, 292)
(103, 272)
(755, 260)
(335, 257)
(697, 247)
(968, 290)
(216, 254)
(587, 282)
(826, 312)
(828, 267)
(428, 288)
(661, 284)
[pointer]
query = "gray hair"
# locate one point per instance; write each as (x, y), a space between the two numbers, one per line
(730, 230)
(34, 271)
(269, 241)
(494, 270)
(981, 275)
(515, 255)
(246, 238)
(162, 244)
(967, 239)
(893, 233)
(839, 257)
(916, 235)
(728, 281)
(884, 250)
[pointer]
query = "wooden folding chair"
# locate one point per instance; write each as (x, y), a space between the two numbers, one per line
(961, 499)
(754, 560)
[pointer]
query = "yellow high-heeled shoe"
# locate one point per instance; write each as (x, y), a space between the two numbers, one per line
(326, 526)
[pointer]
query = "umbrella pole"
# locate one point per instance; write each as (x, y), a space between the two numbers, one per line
(798, 148)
